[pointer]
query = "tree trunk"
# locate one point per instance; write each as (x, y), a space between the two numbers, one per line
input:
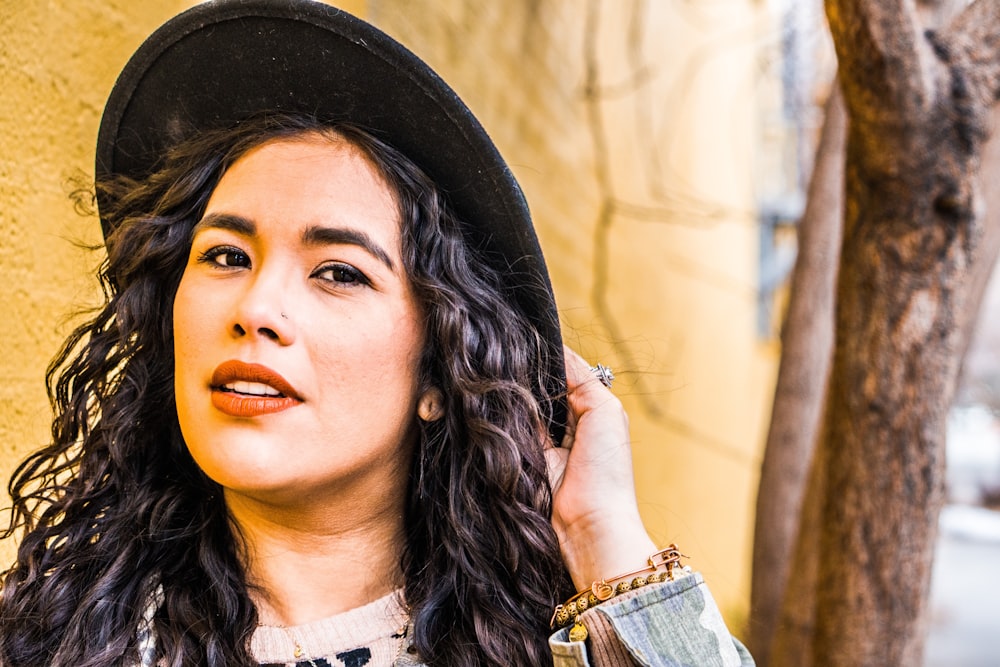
(793, 638)
(917, 107)
(807, 346)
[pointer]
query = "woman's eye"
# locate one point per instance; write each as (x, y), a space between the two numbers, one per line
(225, 256)
(343, 274)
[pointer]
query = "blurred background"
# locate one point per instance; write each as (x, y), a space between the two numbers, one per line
(664, 146)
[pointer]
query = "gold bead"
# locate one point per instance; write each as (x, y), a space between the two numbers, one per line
(562, 616)
(578, 632)
(638, 582)
(582, 604)
(623, 587)
(592, 600)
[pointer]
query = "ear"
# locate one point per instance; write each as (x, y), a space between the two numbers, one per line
(430, 407)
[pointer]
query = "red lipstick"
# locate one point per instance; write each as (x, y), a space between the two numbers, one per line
(240, 389)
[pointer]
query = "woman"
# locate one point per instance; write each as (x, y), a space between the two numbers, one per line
(315, 422)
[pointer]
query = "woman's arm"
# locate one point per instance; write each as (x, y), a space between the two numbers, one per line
(661, 625)
(594, 511)
(596, 517)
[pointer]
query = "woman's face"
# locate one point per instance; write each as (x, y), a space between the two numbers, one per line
(297, 336)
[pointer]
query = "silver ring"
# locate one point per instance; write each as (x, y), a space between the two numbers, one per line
(604, 374)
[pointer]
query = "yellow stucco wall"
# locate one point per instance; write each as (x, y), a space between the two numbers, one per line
(666, 140)
(662, 288)
(59, 60)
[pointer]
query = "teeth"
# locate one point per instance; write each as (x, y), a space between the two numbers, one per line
(251, 388)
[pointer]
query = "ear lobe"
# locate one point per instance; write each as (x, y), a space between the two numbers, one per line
(430, 407)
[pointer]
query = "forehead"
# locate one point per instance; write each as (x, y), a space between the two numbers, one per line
(310, 179)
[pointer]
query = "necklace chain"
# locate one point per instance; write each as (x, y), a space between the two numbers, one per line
(298, 650)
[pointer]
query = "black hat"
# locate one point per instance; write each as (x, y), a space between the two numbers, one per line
(225, 60)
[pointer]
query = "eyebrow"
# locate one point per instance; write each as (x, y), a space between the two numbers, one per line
(314, 235)
(232, 223)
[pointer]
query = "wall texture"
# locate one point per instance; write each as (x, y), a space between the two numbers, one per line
(59, 60)
(629, 125)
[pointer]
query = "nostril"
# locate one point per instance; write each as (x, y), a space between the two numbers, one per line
(269, 333)
(240, 331)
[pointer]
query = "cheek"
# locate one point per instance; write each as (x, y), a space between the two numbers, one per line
(182, 352)
(377, 358)
(190, 320)
(181, 314)
(404, 346)
(194, 314)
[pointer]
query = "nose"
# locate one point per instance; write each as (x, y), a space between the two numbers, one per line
(263, 310)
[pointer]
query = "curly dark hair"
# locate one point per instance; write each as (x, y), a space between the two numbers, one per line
(116, 506)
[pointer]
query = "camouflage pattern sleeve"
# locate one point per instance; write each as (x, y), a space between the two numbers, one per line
(662, 625)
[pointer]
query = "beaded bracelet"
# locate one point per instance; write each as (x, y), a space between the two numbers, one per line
(605, 589)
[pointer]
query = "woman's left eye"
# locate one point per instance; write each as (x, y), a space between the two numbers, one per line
(341, 274)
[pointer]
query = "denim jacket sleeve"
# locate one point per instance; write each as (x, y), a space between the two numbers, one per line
(662, 625)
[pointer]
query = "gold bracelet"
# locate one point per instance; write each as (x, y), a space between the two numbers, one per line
(600, 591)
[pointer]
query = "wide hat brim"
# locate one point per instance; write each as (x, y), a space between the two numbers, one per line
(226, 60)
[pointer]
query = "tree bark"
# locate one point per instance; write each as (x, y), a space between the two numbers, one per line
(793, 638)
(917, 110)
(807, 347)
(794, 635)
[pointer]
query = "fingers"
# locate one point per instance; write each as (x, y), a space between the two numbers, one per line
(594, 512)
(586, 395)
(585, 390)
(577, 370)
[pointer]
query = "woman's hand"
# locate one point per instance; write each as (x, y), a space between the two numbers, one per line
(594, 513)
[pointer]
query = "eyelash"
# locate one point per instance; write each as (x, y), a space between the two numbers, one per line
(352, 275)
(212, 254)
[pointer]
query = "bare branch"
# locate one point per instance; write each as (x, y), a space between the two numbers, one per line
(807, 351)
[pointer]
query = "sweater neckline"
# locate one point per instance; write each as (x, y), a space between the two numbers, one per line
(373, 632)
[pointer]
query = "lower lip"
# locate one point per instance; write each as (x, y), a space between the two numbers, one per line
(242, 405)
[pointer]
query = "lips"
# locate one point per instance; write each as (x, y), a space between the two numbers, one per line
(240, 389)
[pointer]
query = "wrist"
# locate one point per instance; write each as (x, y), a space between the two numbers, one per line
(595, 554)
(660, 566)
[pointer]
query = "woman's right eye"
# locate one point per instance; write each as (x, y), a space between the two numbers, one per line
(225, 256)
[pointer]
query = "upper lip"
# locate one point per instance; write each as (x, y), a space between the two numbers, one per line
(235, 370)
